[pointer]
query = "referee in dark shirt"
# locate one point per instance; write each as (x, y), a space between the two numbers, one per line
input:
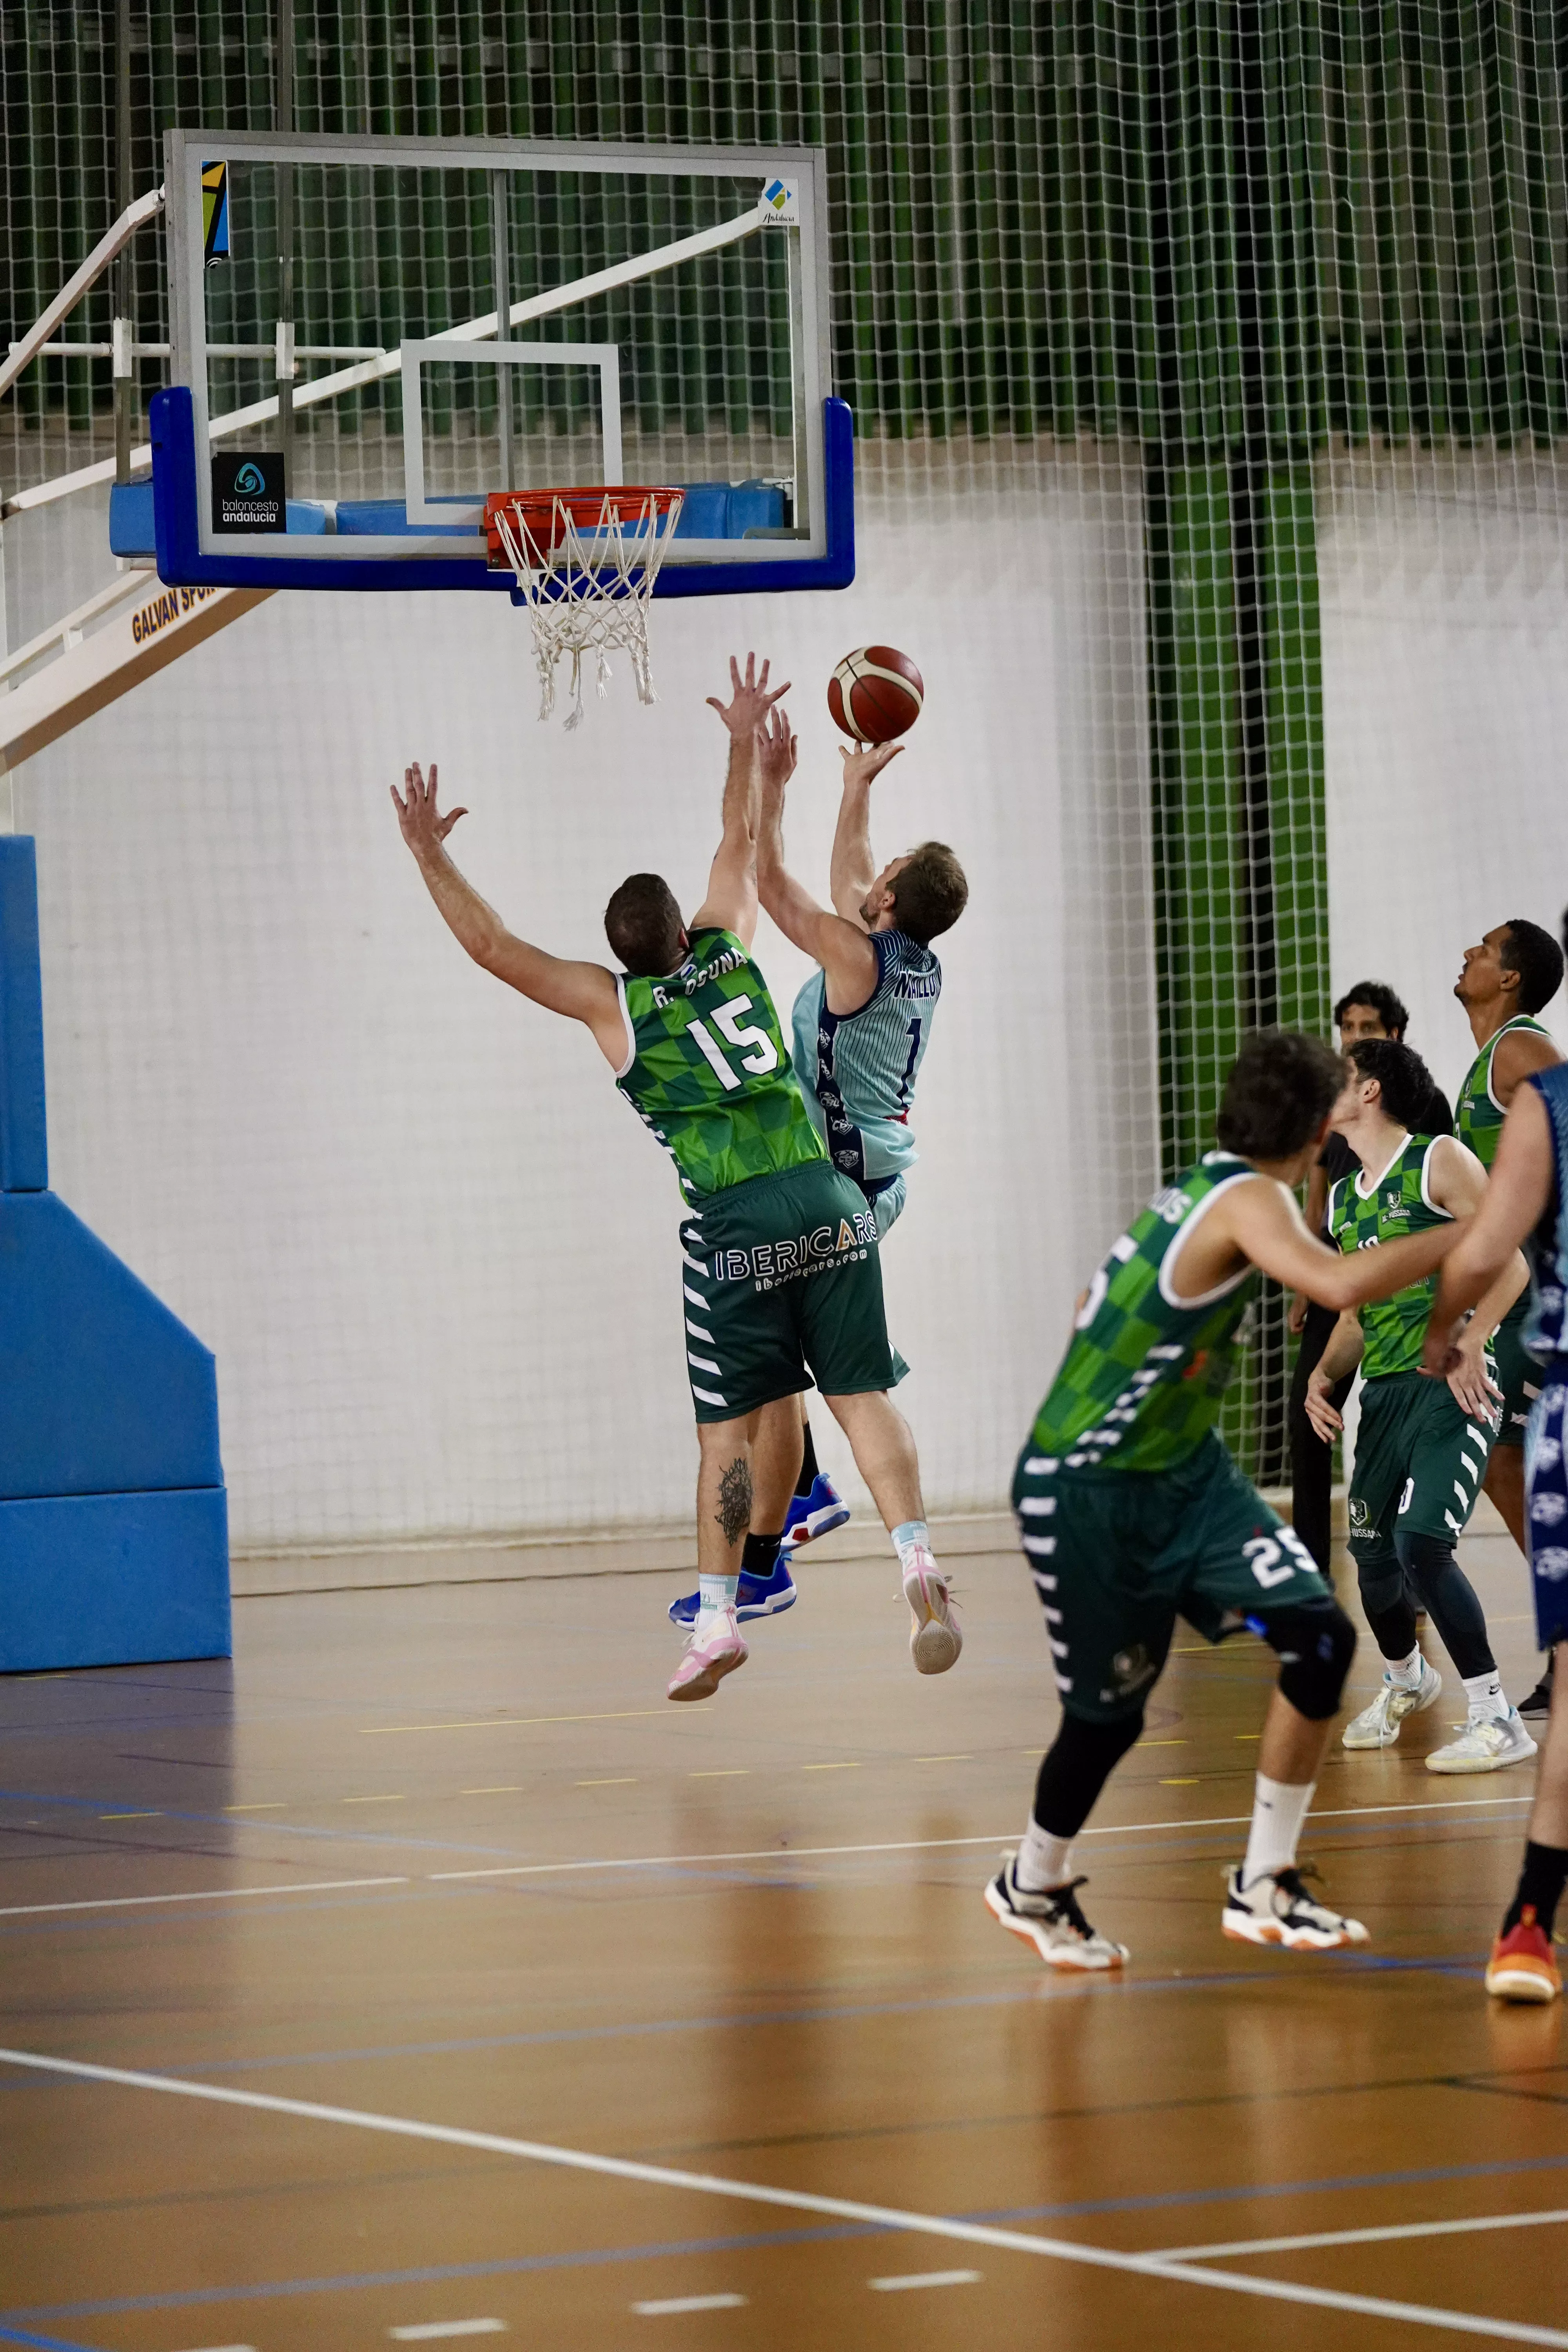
(1368, 1009)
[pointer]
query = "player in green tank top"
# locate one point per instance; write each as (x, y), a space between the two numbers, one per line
(780, 1277)
(1422, 1445)
(1504, 982)
(1132, 1514)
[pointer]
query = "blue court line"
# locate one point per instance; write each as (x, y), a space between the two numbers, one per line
(41, 2343)
(517, 2265)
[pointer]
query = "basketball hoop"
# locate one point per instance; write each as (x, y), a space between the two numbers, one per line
(584, 562)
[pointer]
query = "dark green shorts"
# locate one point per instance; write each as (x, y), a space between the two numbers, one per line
(1117, 1556)
(1518, 1373)
(1419, 1463)
(782, 1281)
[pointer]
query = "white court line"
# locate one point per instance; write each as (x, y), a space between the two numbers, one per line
(925, 2278)
(800, 2200)
(922, 1846)
(1361, 2237)
(752, 1854)
(430, 2329)
(674, 2303)
(201, 1894)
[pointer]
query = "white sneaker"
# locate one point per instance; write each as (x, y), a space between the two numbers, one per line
(1485, 1745)
(1277, 1909)
(716, 1647)
(1377, 1725)
(1051, 1921)
(935, 1637)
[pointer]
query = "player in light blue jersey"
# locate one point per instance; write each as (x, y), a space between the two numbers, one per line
(862, 1023)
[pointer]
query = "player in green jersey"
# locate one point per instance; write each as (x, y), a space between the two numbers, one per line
(1504, 982)
(780, 1260)
(1422, 1445)
(1132, 1513)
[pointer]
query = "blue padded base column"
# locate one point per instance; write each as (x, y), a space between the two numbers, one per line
(114, 1580)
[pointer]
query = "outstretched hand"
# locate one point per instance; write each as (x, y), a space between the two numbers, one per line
(864, 760)
(749, 701)
(780, 751)
(424, 827)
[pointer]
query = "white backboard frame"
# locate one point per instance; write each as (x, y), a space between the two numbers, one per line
(606, 357)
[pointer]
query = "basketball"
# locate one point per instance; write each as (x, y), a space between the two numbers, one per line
(875, 694)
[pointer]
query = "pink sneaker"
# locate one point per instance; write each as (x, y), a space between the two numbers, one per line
(714, 1650)
(935, 1637)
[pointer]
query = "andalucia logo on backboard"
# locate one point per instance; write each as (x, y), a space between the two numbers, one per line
(780, 205)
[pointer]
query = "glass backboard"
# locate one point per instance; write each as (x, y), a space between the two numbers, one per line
(388, 329)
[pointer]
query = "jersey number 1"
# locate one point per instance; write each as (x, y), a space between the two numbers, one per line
(729, 1018)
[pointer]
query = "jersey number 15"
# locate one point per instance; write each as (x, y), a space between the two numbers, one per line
(730, 1019)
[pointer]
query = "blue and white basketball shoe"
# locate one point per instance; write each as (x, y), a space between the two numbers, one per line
(814, 1515)
(759, 1596)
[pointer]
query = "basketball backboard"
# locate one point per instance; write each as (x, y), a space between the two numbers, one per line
(464, 316)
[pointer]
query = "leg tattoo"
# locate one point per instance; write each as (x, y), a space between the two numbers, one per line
(734, 1512)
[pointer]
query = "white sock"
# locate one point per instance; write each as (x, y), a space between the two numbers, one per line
(715, 1593)
(1042, 1860)
(1404, 1673)
(1279, 1809)
(1484, 1691)
(909, 1535)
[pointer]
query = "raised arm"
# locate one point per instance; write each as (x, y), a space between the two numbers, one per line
(582, 991)
(730, 904)
(1517, 1193)
(842, 950)
(1514, 1057)
(1459, 1185)
(854, 869)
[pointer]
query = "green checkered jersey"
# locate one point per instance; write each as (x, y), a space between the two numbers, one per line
(1479, 1116)
(708, 1068)
(1140, 1386)
(1362, 1212)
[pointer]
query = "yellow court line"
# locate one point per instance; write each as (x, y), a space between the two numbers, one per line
(1179, 1784)
(624, 1780)
(398, 1798)
(508, 1722)
(154, 1816)
(726, 1772)
(831, 1767)
(506, 1788)
(1165, 1743)
(273, 1805)
(932, 1759)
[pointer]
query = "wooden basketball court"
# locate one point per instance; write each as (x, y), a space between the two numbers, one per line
(429, 1976)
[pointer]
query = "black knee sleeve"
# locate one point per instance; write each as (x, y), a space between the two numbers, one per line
(1314, 1641)
(1382, 1584)
(1077, 1766)
(1448, 1597)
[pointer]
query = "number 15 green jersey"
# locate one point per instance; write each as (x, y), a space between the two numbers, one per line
(707, 1068)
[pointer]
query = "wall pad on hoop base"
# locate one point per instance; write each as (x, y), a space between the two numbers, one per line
(584, 562)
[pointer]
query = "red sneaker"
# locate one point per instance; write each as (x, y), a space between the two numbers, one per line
(1522, 1966)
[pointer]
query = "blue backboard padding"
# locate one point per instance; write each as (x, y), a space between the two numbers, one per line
(24, 1154)
(102, 1389)
(114, 1580)
(388, 518)
(182, 564)
(132, 530)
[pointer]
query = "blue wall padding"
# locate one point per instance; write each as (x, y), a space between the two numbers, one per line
(23, 1153)
(131, 527)
(102, 1389)
(114, 1580)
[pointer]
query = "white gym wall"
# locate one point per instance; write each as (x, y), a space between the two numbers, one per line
(434, 1254)
(1445, 617)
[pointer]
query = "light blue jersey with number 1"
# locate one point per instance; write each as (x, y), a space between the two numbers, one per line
(858, 1069)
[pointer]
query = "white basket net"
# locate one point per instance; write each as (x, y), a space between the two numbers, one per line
(587, 583)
